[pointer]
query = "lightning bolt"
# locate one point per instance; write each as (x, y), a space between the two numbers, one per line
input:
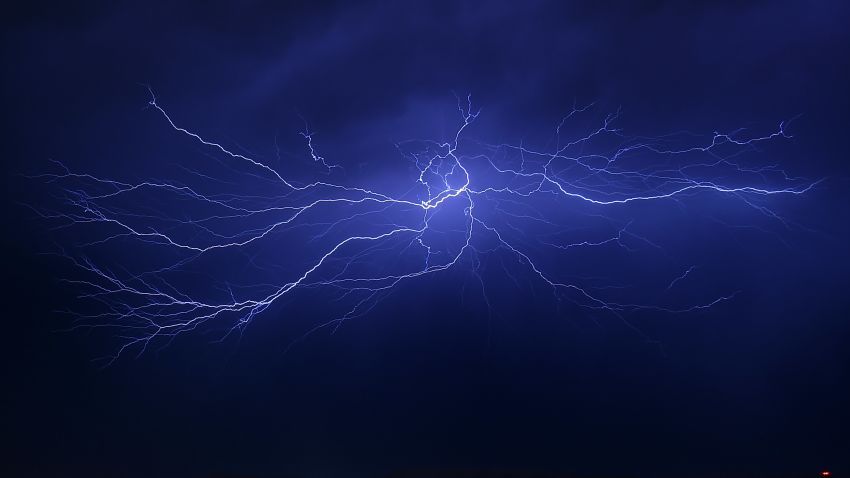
(466, 200)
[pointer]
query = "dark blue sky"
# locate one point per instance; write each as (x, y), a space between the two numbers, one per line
(755, 387)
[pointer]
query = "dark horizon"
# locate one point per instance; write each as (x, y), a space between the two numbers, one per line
(480, 370)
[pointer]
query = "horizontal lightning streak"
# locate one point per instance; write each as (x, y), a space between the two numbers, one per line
(146, 305)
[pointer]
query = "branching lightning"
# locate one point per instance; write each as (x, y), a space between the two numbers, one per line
(355, 244)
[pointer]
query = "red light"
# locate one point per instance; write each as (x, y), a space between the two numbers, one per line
(825, 473)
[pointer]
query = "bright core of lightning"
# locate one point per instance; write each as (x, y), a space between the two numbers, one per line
(350, 246)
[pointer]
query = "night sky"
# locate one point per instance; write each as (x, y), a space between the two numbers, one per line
(756, 386)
